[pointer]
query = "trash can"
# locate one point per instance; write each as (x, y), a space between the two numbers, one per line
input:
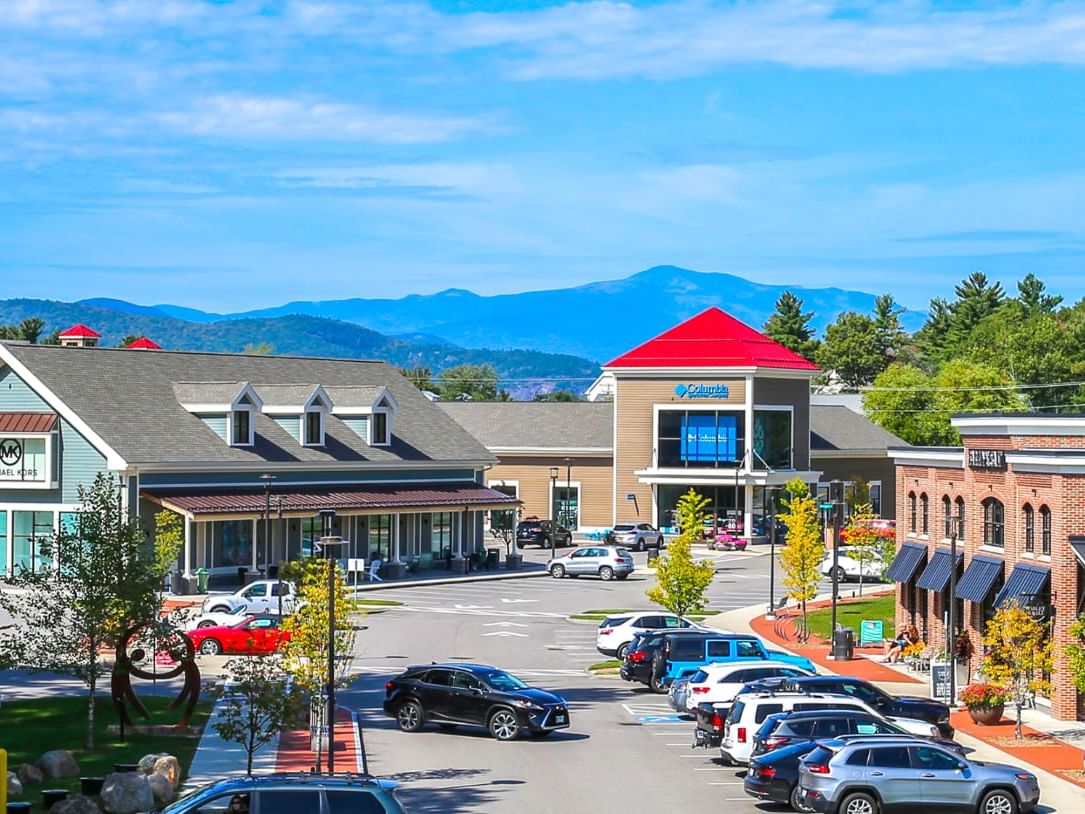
(273, 572)
(201, 580)
(91, 786)
(18, 808)
(493, 557)
(843, 644)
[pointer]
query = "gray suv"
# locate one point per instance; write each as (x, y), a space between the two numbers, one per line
(885, 774)
(606, 562)
(291, 794)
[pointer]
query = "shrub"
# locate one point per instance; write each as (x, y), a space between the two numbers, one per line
(984, 695)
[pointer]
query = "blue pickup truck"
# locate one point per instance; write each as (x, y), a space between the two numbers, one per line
(681, 656)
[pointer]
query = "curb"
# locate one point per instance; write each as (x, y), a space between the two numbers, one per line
(414, 583)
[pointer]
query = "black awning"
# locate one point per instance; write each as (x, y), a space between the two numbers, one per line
(935, 576)
(907, 562)
(1025, 582)
(979, 578)
(1077, 545)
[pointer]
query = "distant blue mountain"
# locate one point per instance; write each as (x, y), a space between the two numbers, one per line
(597, 321)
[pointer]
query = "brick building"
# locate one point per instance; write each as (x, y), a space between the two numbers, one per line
(1013, 498)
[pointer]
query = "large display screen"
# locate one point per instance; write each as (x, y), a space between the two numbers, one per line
(709, 436)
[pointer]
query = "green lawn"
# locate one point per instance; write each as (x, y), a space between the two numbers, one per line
(852, 613)
(599, 614)
(30, 727)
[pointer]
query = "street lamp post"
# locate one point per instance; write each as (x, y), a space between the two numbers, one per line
(836, 498)
(951, 637)
(268, 479)
(328, 543)
(771, 492)
(553, 507)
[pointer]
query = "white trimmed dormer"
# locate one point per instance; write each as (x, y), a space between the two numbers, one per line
(227, 408)
(368, 411)
(299, 409)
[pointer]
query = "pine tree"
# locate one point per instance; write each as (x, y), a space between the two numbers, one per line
(789, 326)
(976, 300)
(887, 327)
(932, 338)
(1031, 294)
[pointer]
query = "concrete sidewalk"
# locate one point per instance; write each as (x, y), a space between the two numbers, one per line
(1057, 794)
(217, 759)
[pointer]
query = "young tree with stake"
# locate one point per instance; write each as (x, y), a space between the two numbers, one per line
(681, 582)
(805, 550)
(258, 703)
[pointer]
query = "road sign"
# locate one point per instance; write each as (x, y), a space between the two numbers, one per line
(826, 506)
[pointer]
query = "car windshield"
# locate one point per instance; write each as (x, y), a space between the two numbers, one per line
(504, 682)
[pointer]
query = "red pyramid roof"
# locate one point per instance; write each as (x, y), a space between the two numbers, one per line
(712, 339)
(143, 343)
(79, 329)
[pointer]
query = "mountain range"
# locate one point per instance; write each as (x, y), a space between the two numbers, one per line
(598, 321)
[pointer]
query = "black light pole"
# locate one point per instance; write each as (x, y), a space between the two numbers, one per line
(328, 542)
(951, 634)
(553, 508)
(772, 551)
(286, 556)
(267, 479)
(836, 498)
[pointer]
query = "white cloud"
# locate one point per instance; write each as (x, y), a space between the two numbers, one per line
(481, 180)
(289, 119)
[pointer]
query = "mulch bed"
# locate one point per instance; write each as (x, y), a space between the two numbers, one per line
(1073, 775)
(1029, 741)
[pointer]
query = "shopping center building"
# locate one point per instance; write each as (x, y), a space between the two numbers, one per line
(711, 405)
(1012, 499)
(247, 449)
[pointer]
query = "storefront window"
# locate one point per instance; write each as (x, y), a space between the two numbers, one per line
(71, 523)
(722, 510)
(700, 438)
(234, 544)
(1045, 531)
(993, 523)
(442, 533)
(772, 439)
(31, 530)
(1030, 529)
(380, 537)
(3, 543)
(567, 505)
(911, 512)
(504, 519)
(874, 492)
(311, 530)
(947, 515)
(925, 513)
(960, 518)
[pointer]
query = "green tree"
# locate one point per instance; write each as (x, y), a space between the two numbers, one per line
(801, 558)
(966, 387)
(476, 382)
(1031, 293)
(933, 337)
(867, 543)
(420, 376)
(681, 582)
(853, 349)
(104, 582)
(258, 348)
(789, 326)
(558, 395)
(899, 400)
(1017, 655)
(30, 329)
(258, 704)
(1075, 651)
(887, 327)
(976, 300)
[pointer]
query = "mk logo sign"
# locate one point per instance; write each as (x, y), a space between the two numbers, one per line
(11, 451)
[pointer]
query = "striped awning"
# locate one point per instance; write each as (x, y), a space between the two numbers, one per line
(1025, 582)
(979, 578)
(908, 560)
(1077, 545)
(935, 576)
(27, 422)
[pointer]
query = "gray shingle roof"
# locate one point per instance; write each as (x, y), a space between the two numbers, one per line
(353, 396)
(835, 427)
(128, 398)
(207, 392)
(293, 395)
(536, 424)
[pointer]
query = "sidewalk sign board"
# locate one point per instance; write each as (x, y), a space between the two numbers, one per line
(871, 631)
(940, 680)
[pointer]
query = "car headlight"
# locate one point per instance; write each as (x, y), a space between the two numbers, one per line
(527, 705)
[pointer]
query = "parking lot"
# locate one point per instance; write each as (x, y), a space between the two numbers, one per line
(624, 744)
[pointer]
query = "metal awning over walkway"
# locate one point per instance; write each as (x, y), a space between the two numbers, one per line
(207, 504)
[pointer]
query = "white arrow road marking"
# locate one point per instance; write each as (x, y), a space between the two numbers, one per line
(506, 633)
(515, 601)
(502, 624)
(473, 607)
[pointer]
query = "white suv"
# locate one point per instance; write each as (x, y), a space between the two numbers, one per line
(719, 683)
(849, 566)
(749, 711)
(261, 596)
(638, 536)
(616, 632)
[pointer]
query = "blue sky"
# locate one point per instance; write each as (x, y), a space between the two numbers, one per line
(232, 155)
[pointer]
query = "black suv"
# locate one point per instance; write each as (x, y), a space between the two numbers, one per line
(473, 695)
(539, 532)
(637, 661)
(899, 706)
(296, 793)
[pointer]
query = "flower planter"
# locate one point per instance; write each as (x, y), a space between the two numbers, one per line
(986, 715)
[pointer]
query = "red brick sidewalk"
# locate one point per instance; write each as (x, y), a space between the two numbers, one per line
(295, 756)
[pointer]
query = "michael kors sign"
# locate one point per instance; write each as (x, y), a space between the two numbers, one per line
(22, 460)
(989, 459)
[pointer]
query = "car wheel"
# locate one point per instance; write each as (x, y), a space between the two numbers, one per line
(659, 542)
(606, 573)
(795, 801)
(998, 801)
(858, 803)
(557, 571)
(206, 623)
(545, 543)
(220, 609)
(409, 716)
(841, 574)
(210, 647)
(621, 652)
(640, 545)
(504, 725)
(655, 684)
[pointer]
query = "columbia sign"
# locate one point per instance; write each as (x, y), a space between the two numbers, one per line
(702, 391)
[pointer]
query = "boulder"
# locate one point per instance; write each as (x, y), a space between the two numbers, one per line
(75, 804)
(59, 763)
(169, 767)
(15, 788)
(146, 763)
(161, 788)
(127, 793)
(29, 775)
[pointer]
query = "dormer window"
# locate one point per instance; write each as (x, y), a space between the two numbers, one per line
(313, 428)
(241, 428)
(378, 434)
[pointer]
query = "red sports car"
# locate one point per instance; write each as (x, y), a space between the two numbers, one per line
(253, 636)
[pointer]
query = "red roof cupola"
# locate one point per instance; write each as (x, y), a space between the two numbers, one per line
(80, 331)
(143, 343)
(712, 339)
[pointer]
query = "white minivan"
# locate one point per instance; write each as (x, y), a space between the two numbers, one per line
(749, 711)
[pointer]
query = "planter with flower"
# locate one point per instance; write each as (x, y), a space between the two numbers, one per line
(985, 702)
